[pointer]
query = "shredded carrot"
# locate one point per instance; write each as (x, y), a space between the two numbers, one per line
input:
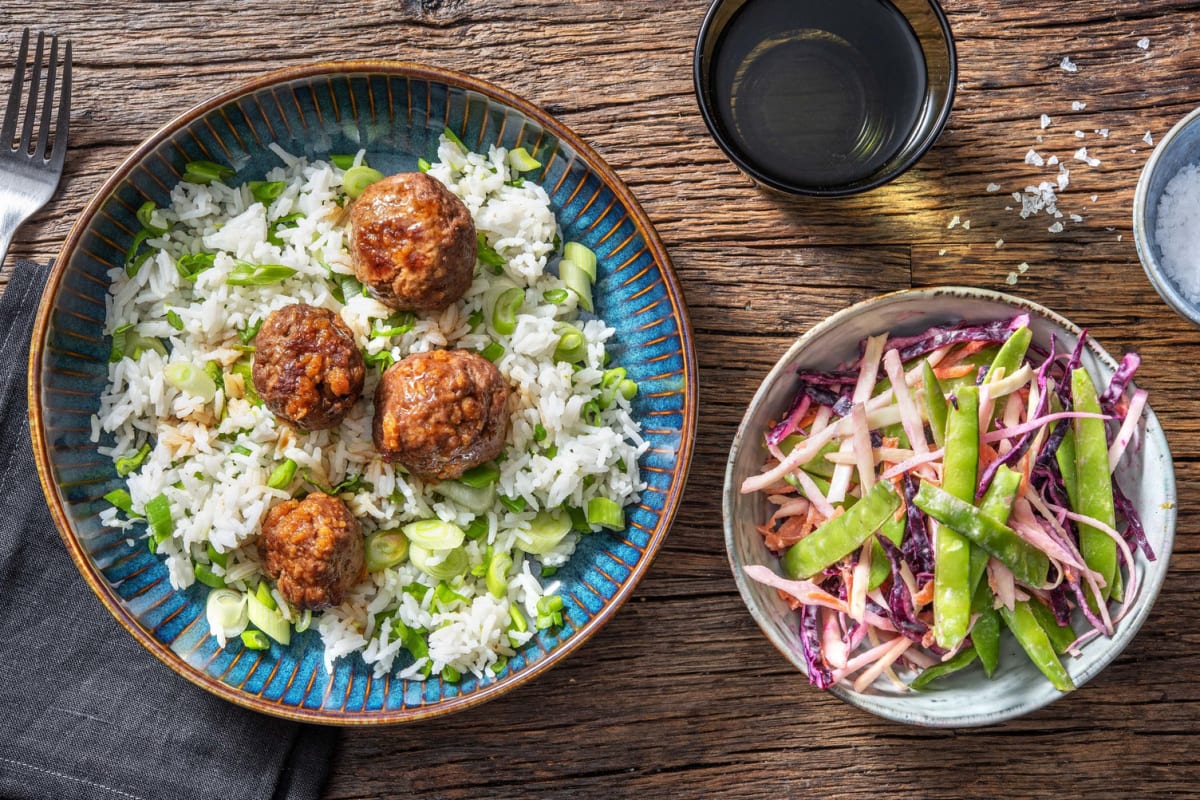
(790, 532)
(954, 371)
(924, 595)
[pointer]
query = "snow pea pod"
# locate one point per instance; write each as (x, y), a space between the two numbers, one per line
(836, 538)
(985, 636)
(1033, 639)
(1093, 482)
(997, 503)
(1011, 353)
(881, 568)
(1028, 564)
(952, 552)
(935, 404)
(964, 658)
(1060, 636)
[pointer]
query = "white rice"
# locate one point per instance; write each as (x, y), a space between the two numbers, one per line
(218, 495)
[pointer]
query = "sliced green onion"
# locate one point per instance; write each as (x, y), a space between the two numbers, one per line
(205, 172)
(487, 255)
(268, 619)
(477, 529)
(549, 572)
(515, 504)
(475, 319)
(454, 562)
(539, 432)
(217, 557)
(174, 320)
(434, 534)
(591, 413)
(248, 334)
(493, 351)
(578, 281)
(190, 265)
(342, 160)
(158, 517)
(246, 274)
(226, 612)
(145, 215)
(266, 191)
(609, 385)
(385, 549)
(304, 622)
(453, 137)
(572, 346)
(579, 520)
(555, 296)
(496, 576)
(189, 378)
(520, 160)
(546, 531)
(581, 256)
(383, 359)
(133, 261)
(504, 315)
(446, 596)
(205, 575)
(450, 674)
(262, 594)
(476, 499)
(281, 224)
(127, 464)
(497, 666)
(423, 165)
(255, 640)
(606, 513)
(517, 619)
(120, 499)
(481, 476)
(415, 643)
(136, 344)
(357, 179)
(246, 372)
(281, 477)
(627, 389)
(396, 325)
(549, 610)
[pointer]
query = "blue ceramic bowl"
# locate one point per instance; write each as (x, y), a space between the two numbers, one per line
(966, 698)
(1179, 148)
(395, 112)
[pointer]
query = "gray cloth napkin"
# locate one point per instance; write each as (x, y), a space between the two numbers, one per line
(85, 711)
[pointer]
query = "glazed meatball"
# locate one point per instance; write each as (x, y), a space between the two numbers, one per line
(313, 549)
(307, 368)
(441, 413)
(413, 242)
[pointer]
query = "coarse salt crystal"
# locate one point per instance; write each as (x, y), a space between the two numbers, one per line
(1095, 197)
(1076, 218)
(1178, 221)
(1039, 138)
(1082, 155)
(1056, 228)
(1078, 105)
(1120, 236)
(942, 252)
(1103, 132)
(999, 243)
(967, 225)
(953, 222)
(993, 187)
(1011, 279)
(1144, 42)
(1064, 177)
(1148, 139)
(1033, 158)
(1045, 121)
(1079, 134)
(1068, 65)
(1051, 161)
(1023, 267)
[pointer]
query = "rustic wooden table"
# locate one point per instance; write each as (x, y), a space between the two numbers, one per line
(680, 695)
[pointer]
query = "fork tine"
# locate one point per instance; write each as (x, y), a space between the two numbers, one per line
(14, 96)
(47, 101)
(35, 80)
(63, 124)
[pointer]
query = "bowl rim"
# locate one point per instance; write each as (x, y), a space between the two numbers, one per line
(1142, 235)
(1132, 623)
(637, 215)
(700, 83)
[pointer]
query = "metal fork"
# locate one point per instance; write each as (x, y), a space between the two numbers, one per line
(29, 172)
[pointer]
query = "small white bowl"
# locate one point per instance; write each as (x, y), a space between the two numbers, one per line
(1179, 148)
(966, 698)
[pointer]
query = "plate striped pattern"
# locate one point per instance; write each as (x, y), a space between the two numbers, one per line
(395, 112)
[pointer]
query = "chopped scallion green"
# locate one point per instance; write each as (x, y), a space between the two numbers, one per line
(481, 476)
(119, 498)
(434, 534)
(343, 160)
(205, 575)
(266, 191)
(281, 477)
(247, 274)
(493, 351)
(520, 160)
(385, 549)
(205, 172)
(174, 320)
(357, 179)
(606, 513)
(255, 640)
(127, 464)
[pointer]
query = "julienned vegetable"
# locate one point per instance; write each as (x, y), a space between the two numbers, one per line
(945, 485)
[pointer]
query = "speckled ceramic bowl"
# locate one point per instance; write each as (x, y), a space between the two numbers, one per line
(396, 112)
(966, 698)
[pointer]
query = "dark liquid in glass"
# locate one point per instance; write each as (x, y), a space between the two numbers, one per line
(819, 92)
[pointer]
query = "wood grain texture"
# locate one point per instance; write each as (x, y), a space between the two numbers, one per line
(680, 696)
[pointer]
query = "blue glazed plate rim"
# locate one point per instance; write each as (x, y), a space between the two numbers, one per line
(162, 651)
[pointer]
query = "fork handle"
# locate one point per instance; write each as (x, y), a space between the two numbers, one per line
(10, 220)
